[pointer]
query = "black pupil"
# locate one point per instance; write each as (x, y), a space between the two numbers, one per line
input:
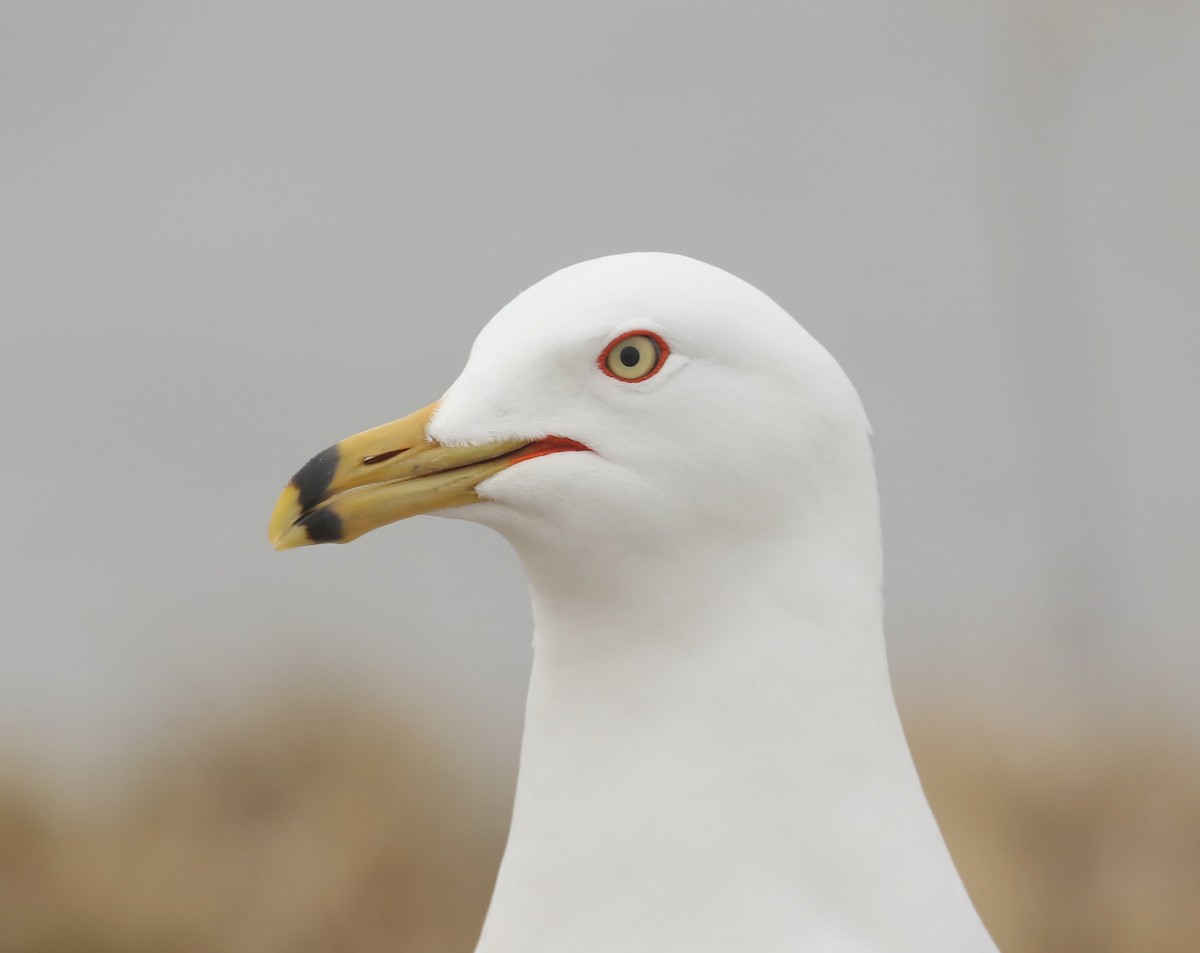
(630, 355)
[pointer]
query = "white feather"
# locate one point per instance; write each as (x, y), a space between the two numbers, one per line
(712, 758)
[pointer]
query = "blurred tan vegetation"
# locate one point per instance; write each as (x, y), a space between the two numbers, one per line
(313, 823)
(1081, 836)
(318, 824)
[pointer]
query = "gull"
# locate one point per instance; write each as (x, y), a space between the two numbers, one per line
(712, 758)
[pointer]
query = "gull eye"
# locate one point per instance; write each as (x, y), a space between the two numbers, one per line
(634, 356)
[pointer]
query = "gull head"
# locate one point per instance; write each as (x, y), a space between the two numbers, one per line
(635, 401)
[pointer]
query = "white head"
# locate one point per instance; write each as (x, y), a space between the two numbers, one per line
(737, 427)
(745, 423)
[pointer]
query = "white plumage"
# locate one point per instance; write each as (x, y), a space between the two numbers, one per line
(712, 758)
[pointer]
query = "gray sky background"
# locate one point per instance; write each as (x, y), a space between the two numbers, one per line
(234, 233)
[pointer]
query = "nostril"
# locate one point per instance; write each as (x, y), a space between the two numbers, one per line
(380, 457)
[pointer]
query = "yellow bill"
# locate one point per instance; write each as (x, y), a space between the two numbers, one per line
(387, 474)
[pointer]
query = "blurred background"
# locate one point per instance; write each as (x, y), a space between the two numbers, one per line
(236, 232)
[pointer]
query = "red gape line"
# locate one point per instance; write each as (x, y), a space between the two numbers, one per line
(547, 445)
